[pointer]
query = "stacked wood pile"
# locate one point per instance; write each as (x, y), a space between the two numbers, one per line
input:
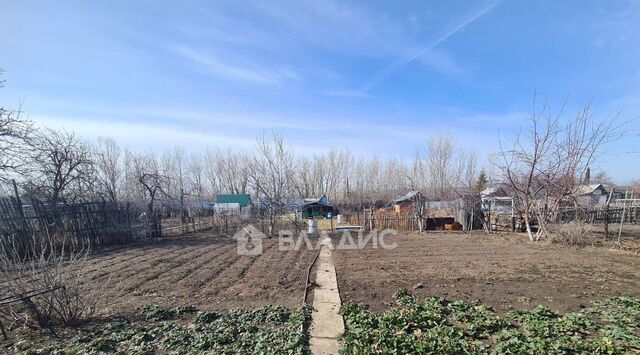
(439, 213)
(503, 222)
(397, 221)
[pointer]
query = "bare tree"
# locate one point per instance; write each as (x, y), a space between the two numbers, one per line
(148, 174)
(232, 171)
(173, 169)
(196, 177)
(271, 174)
(393, 179)
(61, 168)
(446, 170)
(109, 169)
(227, 171)
(15, 131)
(130, 185)
(56, 264)
(601, 177)
(305, 178)
(440, 150)
(635, 187)
(544, 163)
(211, 171)
(324, 174)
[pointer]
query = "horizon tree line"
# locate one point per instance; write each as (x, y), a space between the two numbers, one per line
(544, 161)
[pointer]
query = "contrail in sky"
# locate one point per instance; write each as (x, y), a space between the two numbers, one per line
(397, 65)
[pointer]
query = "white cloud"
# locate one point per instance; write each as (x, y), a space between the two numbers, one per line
(142, 136)
(211, 64)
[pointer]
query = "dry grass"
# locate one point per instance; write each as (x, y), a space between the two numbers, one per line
(573, 234)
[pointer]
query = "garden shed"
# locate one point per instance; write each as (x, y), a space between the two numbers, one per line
(407, 203)
(592, 195)
(238, 204)
(317, 208)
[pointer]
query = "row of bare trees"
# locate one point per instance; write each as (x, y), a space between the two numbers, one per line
(61, 167)
(542, 164)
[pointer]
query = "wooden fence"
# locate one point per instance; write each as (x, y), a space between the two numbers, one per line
(494, 221)
(407, 222)
(615, 215)
(91, 223)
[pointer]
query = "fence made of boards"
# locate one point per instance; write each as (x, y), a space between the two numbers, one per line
(90, 223)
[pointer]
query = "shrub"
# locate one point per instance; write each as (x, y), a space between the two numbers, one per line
(49, 262)
(574, 234)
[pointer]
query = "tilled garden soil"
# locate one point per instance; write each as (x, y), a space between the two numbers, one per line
(205, 271)
(502, 271)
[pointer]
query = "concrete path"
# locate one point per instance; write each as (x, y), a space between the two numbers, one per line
(326, 323)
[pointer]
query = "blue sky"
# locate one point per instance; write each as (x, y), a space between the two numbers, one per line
(375, 77)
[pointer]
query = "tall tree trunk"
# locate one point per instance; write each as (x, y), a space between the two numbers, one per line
(527, 222)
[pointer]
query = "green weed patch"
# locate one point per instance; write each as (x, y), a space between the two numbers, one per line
(440, 326)
(267, 330)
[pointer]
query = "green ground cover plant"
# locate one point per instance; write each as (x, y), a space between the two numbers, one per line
(440, 326)
(184, 330)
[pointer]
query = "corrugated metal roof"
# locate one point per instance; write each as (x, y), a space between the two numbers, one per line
(409, 196)
(243, 200)
(494, 191)
(589, 189)
(323, 200)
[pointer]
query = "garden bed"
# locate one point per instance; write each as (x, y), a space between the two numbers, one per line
(502, 271)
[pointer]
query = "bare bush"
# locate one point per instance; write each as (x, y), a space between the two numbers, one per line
(53, 270)
(578, 234)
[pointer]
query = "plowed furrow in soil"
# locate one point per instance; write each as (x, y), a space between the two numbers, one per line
(264, 266)
(162, 268)
(131, 269)
(192, 280)
(188, 270)
(122, 259)
(260, 282)
(275, 278)
(179, 272)
(196, 281)
(294, 265)
(235, 271)
(123, 269)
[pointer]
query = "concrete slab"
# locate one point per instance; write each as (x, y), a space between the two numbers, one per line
(324, 346)
(326, 323)
(326, 296)
(326, 279)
